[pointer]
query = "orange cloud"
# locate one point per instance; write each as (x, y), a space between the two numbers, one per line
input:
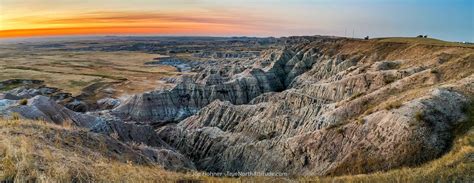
(133, 23)
(141, 17)
(117, 30)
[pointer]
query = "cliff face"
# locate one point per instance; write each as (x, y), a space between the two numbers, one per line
(238, 84)
(224, 137)
(339, 107)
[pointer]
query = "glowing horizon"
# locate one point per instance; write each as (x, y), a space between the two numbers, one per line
(127, 22)
(238, 18)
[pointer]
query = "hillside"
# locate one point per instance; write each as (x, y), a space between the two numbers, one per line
(39, 151)
(318, 106)
(35, 150)
(313, 108)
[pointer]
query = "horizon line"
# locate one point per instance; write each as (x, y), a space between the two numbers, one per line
(85, 36)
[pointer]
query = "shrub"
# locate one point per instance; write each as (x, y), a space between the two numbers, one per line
(434, 71)
(394, 105)
(266, 136)
(361, 121)
(419, 116)
(389, 80)
(261, 137)
(23, 102)
(469, 123)
(335, 125)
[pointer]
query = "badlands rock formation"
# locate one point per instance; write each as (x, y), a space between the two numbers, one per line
(312, 105)
(148, 144)
(321, 107)
(228, 82)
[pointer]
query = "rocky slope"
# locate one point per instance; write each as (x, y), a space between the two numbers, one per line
(226, 82)
(34, 151)
(312, 106)
(347, 107)
(148, 144)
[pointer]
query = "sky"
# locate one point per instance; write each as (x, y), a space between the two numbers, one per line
(451, 20)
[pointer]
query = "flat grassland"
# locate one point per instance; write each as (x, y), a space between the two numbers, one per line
(73, 70)
(425, 41)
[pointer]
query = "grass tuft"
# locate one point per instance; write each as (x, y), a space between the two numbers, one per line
(15, 116)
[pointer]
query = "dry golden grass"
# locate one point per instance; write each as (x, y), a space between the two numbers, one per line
(44, 152)
(39, 151)
(456, 166)
(72, 70)
(427, 41)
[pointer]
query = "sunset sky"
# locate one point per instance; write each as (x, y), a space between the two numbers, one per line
(445, 19)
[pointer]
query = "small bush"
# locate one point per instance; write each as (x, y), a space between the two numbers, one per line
(393, 105)
(434, 71)
(361, 121)
(23, 102)
(335, 125)
(389, 80)
(340, 130)
(419, 116)
(365, 102)
(266, 136)
(469, 123)
(261, 137)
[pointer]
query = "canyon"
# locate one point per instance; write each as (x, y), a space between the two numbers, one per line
(306, 106)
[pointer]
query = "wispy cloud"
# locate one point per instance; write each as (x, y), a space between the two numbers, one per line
(116, 22)
(143, 19)
(132, 22)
